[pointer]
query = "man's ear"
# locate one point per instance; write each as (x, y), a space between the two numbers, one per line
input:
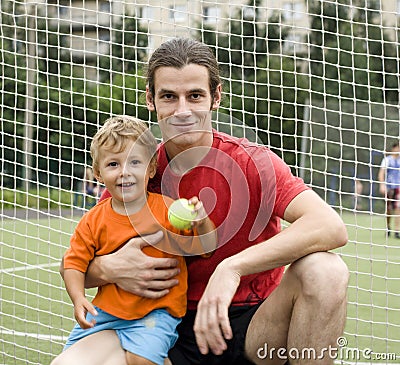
(149, 100)
(217, 98)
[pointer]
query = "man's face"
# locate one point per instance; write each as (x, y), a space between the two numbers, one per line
(182, 101)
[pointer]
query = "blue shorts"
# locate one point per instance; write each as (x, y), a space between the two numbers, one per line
(150, 337)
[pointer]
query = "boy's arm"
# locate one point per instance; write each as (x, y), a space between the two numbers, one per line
(204, 227)
(382, 178)
(74, 283)
(207, 234)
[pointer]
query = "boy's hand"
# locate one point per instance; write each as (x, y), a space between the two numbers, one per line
(81, 307)
(201, 215)
(205, 227)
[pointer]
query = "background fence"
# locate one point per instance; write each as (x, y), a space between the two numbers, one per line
(317, 81)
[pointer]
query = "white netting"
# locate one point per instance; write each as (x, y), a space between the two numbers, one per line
(317, 81)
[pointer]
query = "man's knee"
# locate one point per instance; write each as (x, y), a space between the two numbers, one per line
(322, 275)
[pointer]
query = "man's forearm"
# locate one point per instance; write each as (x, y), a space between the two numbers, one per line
(95, 275)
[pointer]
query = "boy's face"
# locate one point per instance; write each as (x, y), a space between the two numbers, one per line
(396, 151)
(126, 174)
(183, 101)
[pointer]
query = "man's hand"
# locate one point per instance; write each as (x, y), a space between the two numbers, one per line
(134, 271)
(212, 326)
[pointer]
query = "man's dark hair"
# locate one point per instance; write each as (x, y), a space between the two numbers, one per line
(179, 52)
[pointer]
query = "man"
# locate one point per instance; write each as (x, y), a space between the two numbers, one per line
(242, 309)
(389, 179)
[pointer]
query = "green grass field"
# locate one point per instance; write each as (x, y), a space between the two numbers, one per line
(373, 320)
(36, 315)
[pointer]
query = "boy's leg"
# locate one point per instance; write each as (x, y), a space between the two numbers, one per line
(147, 340)
(101, 348)
(133, 359)
(390, 211)
(306, 311)
(396, 212)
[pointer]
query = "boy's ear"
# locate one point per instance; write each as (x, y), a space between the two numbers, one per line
(152, 170)
(97, 176)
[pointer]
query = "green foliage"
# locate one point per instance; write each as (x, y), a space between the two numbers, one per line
(265, 89)
(341, 147)
(68, 108)
(129, 47)
(247, 42)
(69, 117)
(347, 57)
(13, 70)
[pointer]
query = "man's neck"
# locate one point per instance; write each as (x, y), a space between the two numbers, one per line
(184, 158)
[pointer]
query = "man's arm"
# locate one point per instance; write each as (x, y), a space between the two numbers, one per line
(132, 270)
(315, 227)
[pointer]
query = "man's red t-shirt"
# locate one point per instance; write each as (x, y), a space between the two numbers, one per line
(245, 189)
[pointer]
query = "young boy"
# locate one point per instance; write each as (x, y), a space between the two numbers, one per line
(124, 158)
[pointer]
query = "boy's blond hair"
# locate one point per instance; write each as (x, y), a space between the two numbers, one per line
(117, 132)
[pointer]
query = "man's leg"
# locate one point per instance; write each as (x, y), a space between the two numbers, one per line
(306, 311)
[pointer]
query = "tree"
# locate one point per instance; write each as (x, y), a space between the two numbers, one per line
(128, 48)
(70, 108)
(14, 88)
(265, 91)
(246, 43)
(351, 57)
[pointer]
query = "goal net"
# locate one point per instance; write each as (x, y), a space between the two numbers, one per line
(316, 81)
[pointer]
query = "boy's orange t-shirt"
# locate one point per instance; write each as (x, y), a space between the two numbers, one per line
(102, 231)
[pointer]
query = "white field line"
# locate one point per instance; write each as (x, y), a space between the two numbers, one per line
(28, 267)
(33, 335)
(26, 334)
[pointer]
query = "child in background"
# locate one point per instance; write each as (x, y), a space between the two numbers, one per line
(124, 158)
(389, 179)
